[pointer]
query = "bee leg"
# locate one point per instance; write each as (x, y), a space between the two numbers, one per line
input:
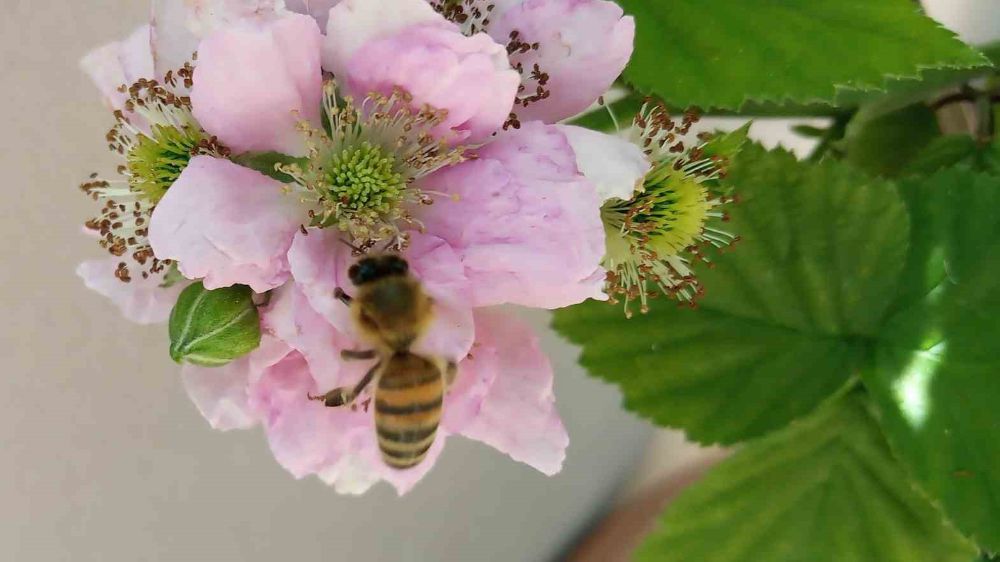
(343, 297)
(353, 354)
(450, 371)
(336, 397)
(344, 395)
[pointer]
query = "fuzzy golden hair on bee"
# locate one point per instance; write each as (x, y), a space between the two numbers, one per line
(389, 307)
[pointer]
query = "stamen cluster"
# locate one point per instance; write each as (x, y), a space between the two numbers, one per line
(517, 46)
(359, 172)
(654, 238)
(156, 148)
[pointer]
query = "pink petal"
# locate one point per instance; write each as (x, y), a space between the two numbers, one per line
(583, 46)
(226, 223)
(439, 268)
(299, 441)
(614, 165)
(509, 403)
(337, 444)
(179, 25)
(352, 23)
(535, 235)
(475, 377)
(120, 64)
(375, 46)
(254, 82)
(220, 393)
(142, 301)
(318, 9)
(319, 262)
(291, 318)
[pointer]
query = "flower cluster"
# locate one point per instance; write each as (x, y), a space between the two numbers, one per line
(266, 143)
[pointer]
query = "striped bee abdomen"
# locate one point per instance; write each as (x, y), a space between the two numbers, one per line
(408, 409)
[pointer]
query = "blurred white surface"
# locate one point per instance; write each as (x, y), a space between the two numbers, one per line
(975, 21)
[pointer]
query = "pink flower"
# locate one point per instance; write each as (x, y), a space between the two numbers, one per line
(580, 46)
(514, 219)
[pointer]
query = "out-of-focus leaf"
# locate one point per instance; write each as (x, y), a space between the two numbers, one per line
(825, 489)
(885, 145)
(937, 375)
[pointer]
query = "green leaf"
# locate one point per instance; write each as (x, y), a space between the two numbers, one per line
(730, 51)
(787, 314)
(943, 152)
(211, 328)
(954, 150)
(266, 162)
(900, 92)
(727, 145)
(937, 375)
(625, 109)
(883, 146)
(826, 489)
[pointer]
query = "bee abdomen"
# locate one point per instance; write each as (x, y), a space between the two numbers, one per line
(405, 448)
(406, 419)
(408, 451)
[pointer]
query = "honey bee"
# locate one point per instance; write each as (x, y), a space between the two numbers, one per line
(391, 311)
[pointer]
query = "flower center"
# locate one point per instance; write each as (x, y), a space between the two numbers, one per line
(654, 237)
(670, 211)
(154, 162)
(364, 177)
(156, 149)
(359, 173)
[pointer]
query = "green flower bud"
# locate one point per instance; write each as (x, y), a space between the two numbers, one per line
(211, 328)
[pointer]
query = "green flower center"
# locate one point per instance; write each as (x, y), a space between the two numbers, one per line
(363, 178)
(156, 161)
(672, 210)
(361, 169)
(652, 238)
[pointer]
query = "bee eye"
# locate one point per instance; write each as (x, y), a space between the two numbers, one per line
(363, 272)
(399, 266)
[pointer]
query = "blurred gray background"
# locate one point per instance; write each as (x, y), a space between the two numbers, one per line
(104, 457)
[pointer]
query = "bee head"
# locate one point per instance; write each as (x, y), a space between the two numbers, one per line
(373, 268)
